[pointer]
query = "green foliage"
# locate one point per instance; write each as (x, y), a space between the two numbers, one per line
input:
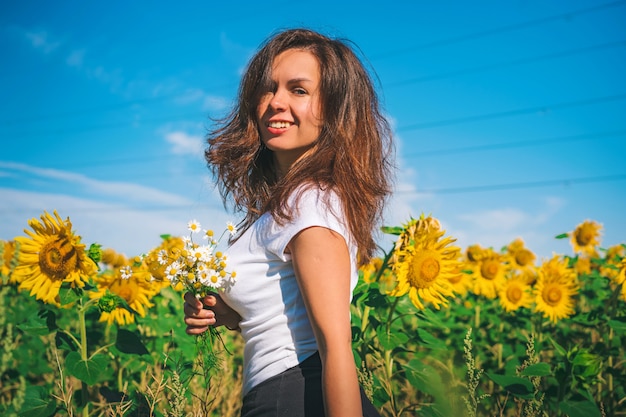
(471, 358)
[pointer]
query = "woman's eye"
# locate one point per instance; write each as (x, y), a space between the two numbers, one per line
(299, 91)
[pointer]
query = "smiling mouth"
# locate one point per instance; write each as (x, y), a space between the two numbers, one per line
(279, 125)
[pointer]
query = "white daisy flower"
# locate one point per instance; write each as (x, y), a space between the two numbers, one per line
(213, 280)
(173, 271)
(194, 226)
(232, 229)
(126, 272)
(162, 257)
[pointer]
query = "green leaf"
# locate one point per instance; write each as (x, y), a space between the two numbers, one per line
(618, 325)
(68, 294)
(562, 236)
(579, 409)
(520, 387)
(430, 340)
(537, 369)
(390, 340)
(392, 230)
(423, 377)
(129, 342)
(37, 402)
(64, 342)
(88, 371)
(560, 350)
(42, 322)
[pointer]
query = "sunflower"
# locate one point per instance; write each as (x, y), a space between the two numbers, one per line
(129, 282)
(460, 282)
(515, 293)
(488, 273)
(613, 259)
(583, 265)
(158, 259)
(522, 260)
(474, 252)
(113, 259)
(555, 289)
(8, 261)
(423, 262)
(621, 278)
(370, 269)
(586, 237)
(51, 256)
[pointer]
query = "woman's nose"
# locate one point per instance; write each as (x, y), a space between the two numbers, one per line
(277, 102)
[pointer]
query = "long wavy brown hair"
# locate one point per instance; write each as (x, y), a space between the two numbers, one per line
(352, 155)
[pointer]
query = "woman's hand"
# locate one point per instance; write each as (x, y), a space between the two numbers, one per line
(208, 311)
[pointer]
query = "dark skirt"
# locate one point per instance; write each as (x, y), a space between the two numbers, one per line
(297, 392)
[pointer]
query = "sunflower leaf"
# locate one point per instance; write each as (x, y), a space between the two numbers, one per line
(392, 230)
(69, 294)
(37, 403)
(537, 369)
(129, 342)
(560, 350)
(579, 409)
(390, 340)
(89, 371)
(430, 340)
(64, 342)
(41, 323)
(562, 236)
(520, 387)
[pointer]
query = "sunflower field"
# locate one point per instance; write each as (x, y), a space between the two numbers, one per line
(438, 330)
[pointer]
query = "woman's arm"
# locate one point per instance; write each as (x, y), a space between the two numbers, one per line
(322, 264)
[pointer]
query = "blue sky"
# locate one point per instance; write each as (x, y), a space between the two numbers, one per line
(510, 117)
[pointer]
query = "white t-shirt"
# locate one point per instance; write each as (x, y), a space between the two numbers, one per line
(274, 324)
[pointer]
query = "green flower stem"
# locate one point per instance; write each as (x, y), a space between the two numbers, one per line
(82, 328)
(392, 310)
(477, 316)
(83, 356)
(365, 319)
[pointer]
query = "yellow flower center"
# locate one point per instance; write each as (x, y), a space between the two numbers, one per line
(424, 269)
(57, 258)
(524, 257)
(552, 295)
(514, 294)
(585, 234)
(489, 269)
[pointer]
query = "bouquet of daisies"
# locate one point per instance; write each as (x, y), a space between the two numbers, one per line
(201, 269)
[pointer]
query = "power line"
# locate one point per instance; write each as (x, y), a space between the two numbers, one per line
(498, 30)
(517, 144)
(506, 64)
(509, 113)
(446, 41)
(416, 126)
(512, 186)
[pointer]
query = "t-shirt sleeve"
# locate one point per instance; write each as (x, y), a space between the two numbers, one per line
(315, 207)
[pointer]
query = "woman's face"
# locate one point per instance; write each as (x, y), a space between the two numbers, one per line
(289, 116)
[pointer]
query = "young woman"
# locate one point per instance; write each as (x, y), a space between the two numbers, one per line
(305, 155)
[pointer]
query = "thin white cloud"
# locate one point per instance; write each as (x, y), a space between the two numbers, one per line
(214, 103)
(42, 41)
(76, 58)
(123, 191)
(504, 220)
(127, 230)
(185, 144)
